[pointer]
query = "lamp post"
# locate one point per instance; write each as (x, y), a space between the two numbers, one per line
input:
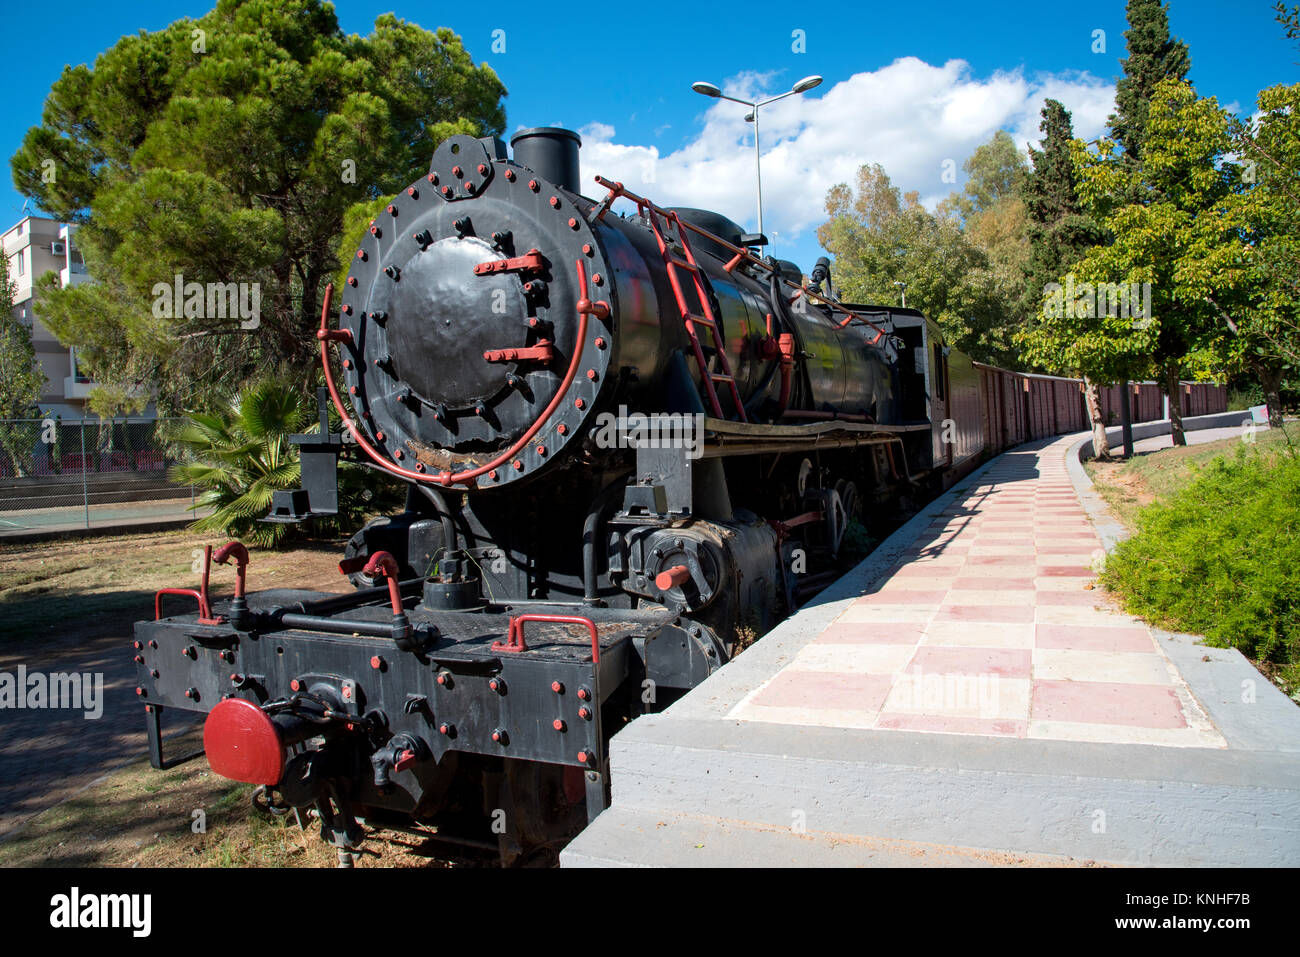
(709, 89)
(903, 286)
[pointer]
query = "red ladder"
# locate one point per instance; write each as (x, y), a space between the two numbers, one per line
(689, 319)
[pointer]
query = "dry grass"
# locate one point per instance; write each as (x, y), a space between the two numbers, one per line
(139, 817)
(1129, 486)
(103, 585)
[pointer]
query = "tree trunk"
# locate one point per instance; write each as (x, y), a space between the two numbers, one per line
(1174, 390)
(1270, 378)
(1100, 444)
(16, 446)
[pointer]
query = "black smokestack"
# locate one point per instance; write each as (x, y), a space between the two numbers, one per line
(551, 153)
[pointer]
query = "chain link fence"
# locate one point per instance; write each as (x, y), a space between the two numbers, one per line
(58, 474)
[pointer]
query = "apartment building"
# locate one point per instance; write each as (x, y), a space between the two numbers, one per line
(34, 246)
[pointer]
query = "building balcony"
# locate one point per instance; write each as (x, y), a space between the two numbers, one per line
(73, 275)
(77, 387)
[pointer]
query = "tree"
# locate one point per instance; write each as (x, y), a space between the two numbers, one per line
(995, 173)
(1289, 18)
(1153, 56)
(1059, 235)
(994, 222)
(227, 150)
(1248, 261)
(879, 237)
(240, 454)
(1158, 243)
(21, 379)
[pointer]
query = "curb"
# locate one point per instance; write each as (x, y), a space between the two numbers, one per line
(96, 531)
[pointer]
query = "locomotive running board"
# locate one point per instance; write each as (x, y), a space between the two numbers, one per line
(724, 437)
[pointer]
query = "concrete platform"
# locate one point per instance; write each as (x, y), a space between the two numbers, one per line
(686, 840)
(968, 689)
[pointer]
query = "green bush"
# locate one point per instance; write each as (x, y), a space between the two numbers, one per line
(1221, 557)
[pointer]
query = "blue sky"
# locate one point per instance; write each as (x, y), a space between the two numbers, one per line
(912, 86)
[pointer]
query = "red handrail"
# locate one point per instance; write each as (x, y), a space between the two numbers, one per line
(204, 611)
(514, 642)
(201, 595)
(741, 254)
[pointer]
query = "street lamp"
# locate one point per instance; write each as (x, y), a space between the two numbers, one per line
(708, 89)
(903, 286)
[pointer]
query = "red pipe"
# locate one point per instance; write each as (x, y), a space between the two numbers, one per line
(446, 478)
(240, 554)
(804, 519)
(384, 565)
(335, 335)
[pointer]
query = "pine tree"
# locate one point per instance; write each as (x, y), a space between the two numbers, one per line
(229, 149)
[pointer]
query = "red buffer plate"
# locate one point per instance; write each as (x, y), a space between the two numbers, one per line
(242, 743)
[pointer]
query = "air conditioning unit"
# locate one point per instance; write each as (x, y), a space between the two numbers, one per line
(57, 248)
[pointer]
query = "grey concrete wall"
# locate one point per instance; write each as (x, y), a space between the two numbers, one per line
(1146, 430)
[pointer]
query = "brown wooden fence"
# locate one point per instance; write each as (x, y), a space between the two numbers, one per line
(1018, 407)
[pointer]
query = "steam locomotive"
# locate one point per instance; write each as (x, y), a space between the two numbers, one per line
(631, 444)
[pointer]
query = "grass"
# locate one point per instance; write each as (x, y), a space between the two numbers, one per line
(1215, 548)
(139, 817)
(101, 585)
(1129, 486)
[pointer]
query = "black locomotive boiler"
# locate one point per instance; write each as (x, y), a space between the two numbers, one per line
(631, 445)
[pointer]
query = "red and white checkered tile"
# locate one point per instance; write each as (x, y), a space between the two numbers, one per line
(990, 625)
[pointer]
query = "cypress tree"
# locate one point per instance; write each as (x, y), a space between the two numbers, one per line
(1059, 233)
(1152, 56)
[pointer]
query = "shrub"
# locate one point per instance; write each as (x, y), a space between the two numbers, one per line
(1221, 556)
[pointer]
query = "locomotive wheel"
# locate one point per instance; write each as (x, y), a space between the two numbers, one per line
(848, 493)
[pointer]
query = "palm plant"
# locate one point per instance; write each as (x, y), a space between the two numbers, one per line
(240, 455)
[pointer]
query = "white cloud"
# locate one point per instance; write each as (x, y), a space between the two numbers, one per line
(909, 117)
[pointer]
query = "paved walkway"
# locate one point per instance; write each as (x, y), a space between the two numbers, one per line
(967, 690)
(990, 624)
